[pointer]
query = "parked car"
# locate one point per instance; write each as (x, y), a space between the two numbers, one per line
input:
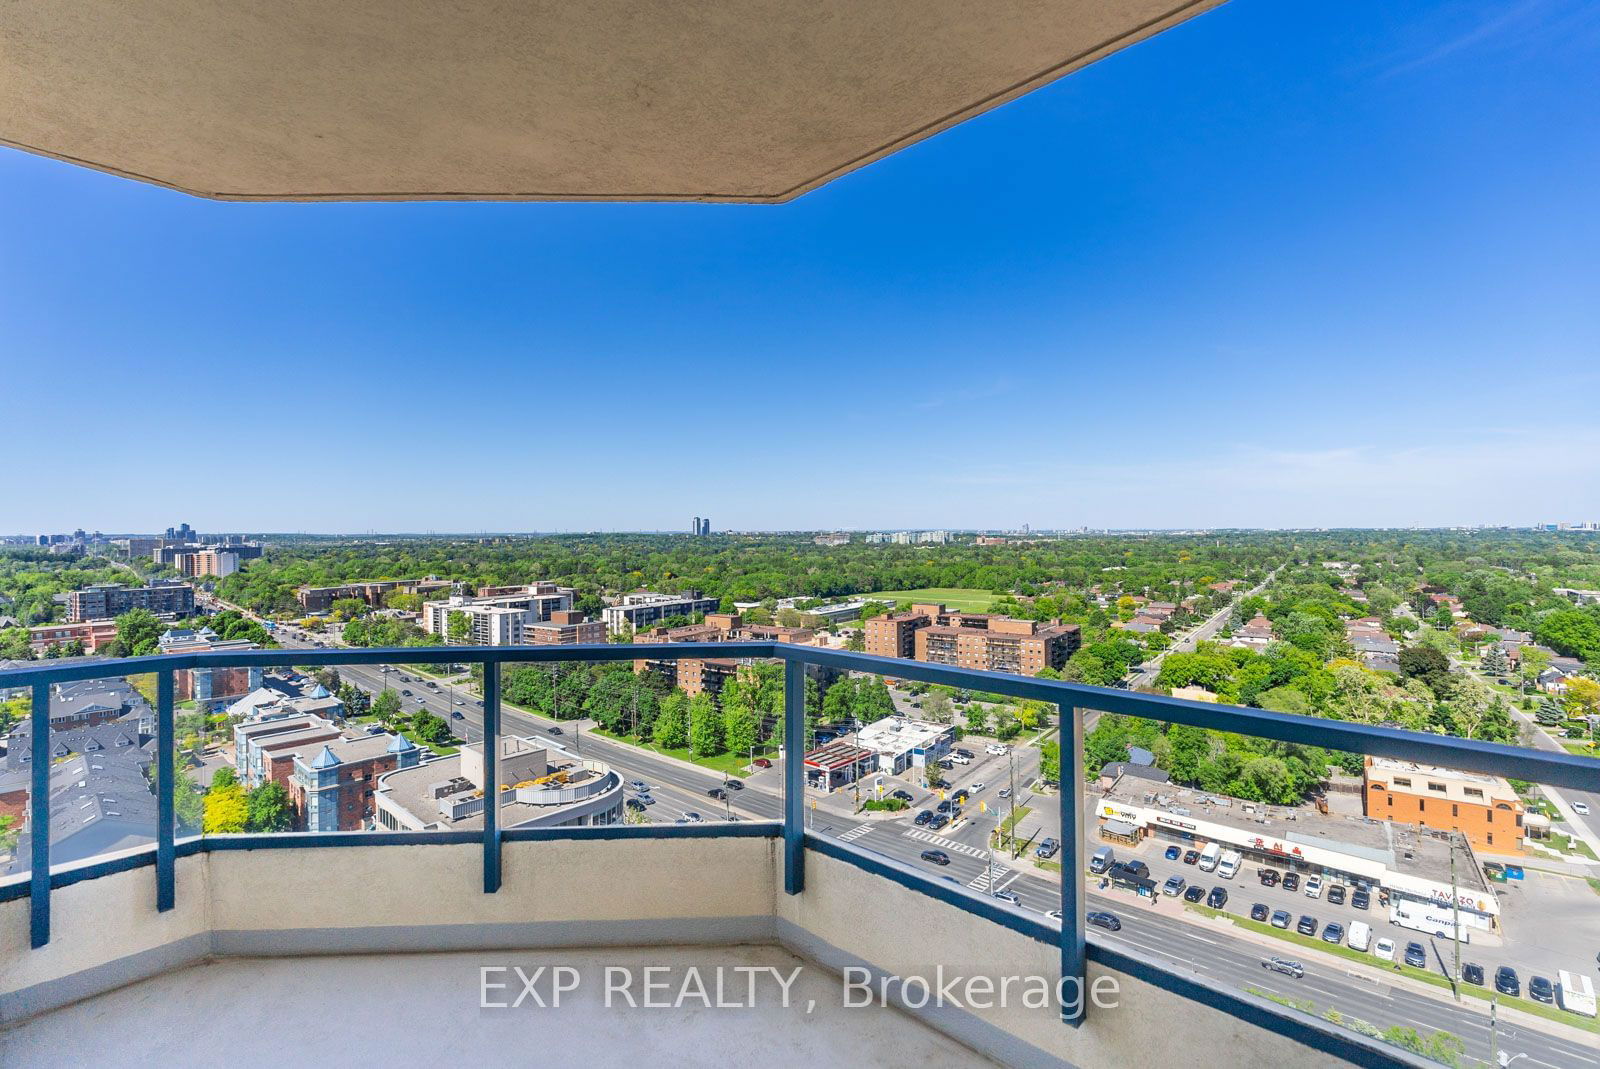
(1173, 853)
(1383, 949)
(923, 817)
(1333, 933)
(1137, 868)
(958, 759)
(1540, 989)
(1109, 921)
(1174, 886)
(936, 857)
(1291, 881)
(964, 752)
(1360, 900)
(1281, 918)
(1047, 849)
(1258, 912)
(761, 762)
(1416, 956)
(1307, 926)
(1314, 887)
(1472, 973)
(1194, 894)
(1336, 895)
(1283, 965)
(1217, 898)
(1268, 877)
(997, 749)
(1191, 856)
(1506, 982)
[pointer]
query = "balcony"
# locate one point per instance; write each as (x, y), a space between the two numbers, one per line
(155, 939)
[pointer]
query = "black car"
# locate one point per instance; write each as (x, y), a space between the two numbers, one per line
(555, 729)
(456, 714)
(738, 785)
(1269, 877)
(1108, 921)
(1360, 900)
(960, 797)
(1472, 974)
(924, 817)
(1336, 895)
(1333, 933)
(405, 694)
(945, 806)
(1291, 881)
(936, 857)
(1136, 868)
(904, 796)
(1195, 893)
(1506, 982)
(939, 821)
(1541, 990)
(1258, 912)
(718, 793)
(1191, 856)
(1416, 957)
(1307, 925)
(1217, 898)
(635, 804)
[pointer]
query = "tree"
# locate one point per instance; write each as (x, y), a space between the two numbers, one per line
(1583, 697)
(1530, 663)
(739, 727)
(1495, 661)
(138, 631)
(937, 708)
(432, 730)
(224, 778)
(1549, 712)
(705, 726)
(267, 808)
(226, 811)
(1050, 761)
(386, 707)
(977, 719)
(14, 644)
(1427, 665)
(458, 627)
(672, 722)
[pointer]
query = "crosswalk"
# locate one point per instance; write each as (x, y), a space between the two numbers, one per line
(1001, 878)
(945, 844)
(854, 833)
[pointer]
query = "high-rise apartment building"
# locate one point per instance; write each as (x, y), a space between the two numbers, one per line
(502, 617)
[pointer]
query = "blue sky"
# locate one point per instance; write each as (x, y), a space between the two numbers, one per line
(1287, 264)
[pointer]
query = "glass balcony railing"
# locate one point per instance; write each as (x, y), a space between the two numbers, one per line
(881, 790)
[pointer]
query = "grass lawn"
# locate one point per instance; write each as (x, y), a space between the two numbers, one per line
(1048, 866)
(433, 670)
(1425, 975)
(728, 763)
(964, 599)
(1582, 749)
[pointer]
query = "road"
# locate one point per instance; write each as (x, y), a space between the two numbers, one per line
(1146, 676)
(1216, 954)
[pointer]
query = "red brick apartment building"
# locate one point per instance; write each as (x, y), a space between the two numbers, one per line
(976, 640)
(707, 675)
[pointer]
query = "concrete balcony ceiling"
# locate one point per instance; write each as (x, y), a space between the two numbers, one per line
(701, 100)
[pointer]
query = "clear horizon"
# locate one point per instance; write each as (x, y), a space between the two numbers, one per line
(1282, 267)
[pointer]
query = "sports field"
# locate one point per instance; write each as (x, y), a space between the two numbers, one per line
(965, 599)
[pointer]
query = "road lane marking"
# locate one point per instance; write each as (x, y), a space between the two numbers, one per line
(855, 833)
(948, 844)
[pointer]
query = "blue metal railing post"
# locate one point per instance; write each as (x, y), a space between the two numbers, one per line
(491, 777)
(794, 776)
(1074, 950)
(39, 797)
(166, 859)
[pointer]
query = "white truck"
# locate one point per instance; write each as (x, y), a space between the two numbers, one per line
(1228, 865)
(1209, 857)
(1575, 992)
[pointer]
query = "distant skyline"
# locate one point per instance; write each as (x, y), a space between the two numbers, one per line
(1284, 266)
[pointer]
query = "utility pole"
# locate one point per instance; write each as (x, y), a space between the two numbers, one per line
(1494, 1038)
(1455, 905)
(1011, 757)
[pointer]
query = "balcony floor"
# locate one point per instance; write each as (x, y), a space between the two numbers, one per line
(424, 1009)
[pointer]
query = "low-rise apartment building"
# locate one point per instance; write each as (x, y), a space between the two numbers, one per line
(335, 786)
(1483, 808)
(500, 618)
(94, 634)
(565, 628)
(107, 600)
(707, 675)
(644, 609)
(977, 640)
(319, 599)
(208, 687)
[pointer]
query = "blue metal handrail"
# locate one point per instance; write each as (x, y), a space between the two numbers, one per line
(1071, 699)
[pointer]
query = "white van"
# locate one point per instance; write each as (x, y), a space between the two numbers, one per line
(1209, 857)
(1229, 864)
(1360, 936)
